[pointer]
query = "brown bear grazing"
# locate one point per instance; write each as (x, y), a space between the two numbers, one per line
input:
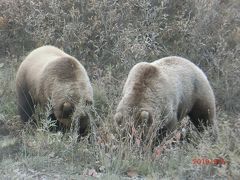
(49, 73)
(172, 87)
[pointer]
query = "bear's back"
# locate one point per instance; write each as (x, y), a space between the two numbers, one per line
(46, 64)
(174, 65)
(43, 56)
(35, 64)
(186, 77)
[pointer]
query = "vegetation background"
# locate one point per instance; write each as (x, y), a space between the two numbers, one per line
(108, 37)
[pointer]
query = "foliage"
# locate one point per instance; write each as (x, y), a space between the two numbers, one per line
(121, 33)
(108, 37)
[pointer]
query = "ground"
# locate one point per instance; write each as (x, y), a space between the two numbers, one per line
(33, 152)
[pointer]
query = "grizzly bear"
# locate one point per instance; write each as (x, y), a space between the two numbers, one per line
(48, 73)
(170, 88)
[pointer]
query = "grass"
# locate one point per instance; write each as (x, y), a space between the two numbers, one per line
(34, 151)
(109, 37)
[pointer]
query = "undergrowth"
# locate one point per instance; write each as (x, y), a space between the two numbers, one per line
(108, 38)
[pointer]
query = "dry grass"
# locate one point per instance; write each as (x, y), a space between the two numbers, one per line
(108, 37)
(115, 35)
(30, 152)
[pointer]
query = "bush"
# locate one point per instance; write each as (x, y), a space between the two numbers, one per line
(120, 34)
(109, 37)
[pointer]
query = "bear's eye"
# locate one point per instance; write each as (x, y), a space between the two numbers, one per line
(88, 102)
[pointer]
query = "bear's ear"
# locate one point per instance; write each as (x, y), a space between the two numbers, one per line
(144, 115)
(118, 118)
(146, 118)
(67, 109)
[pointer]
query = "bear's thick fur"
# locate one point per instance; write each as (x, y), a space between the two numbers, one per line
(49, 73)
(172, 87)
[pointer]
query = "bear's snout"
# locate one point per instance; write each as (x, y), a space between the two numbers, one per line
(81, 123)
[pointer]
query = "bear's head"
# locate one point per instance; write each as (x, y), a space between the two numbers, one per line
(138, 101)
(70, 100)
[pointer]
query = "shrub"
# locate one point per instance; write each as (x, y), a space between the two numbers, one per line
(119, 34)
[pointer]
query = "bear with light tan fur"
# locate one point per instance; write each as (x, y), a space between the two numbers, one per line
(168, 89)
(48, 73)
